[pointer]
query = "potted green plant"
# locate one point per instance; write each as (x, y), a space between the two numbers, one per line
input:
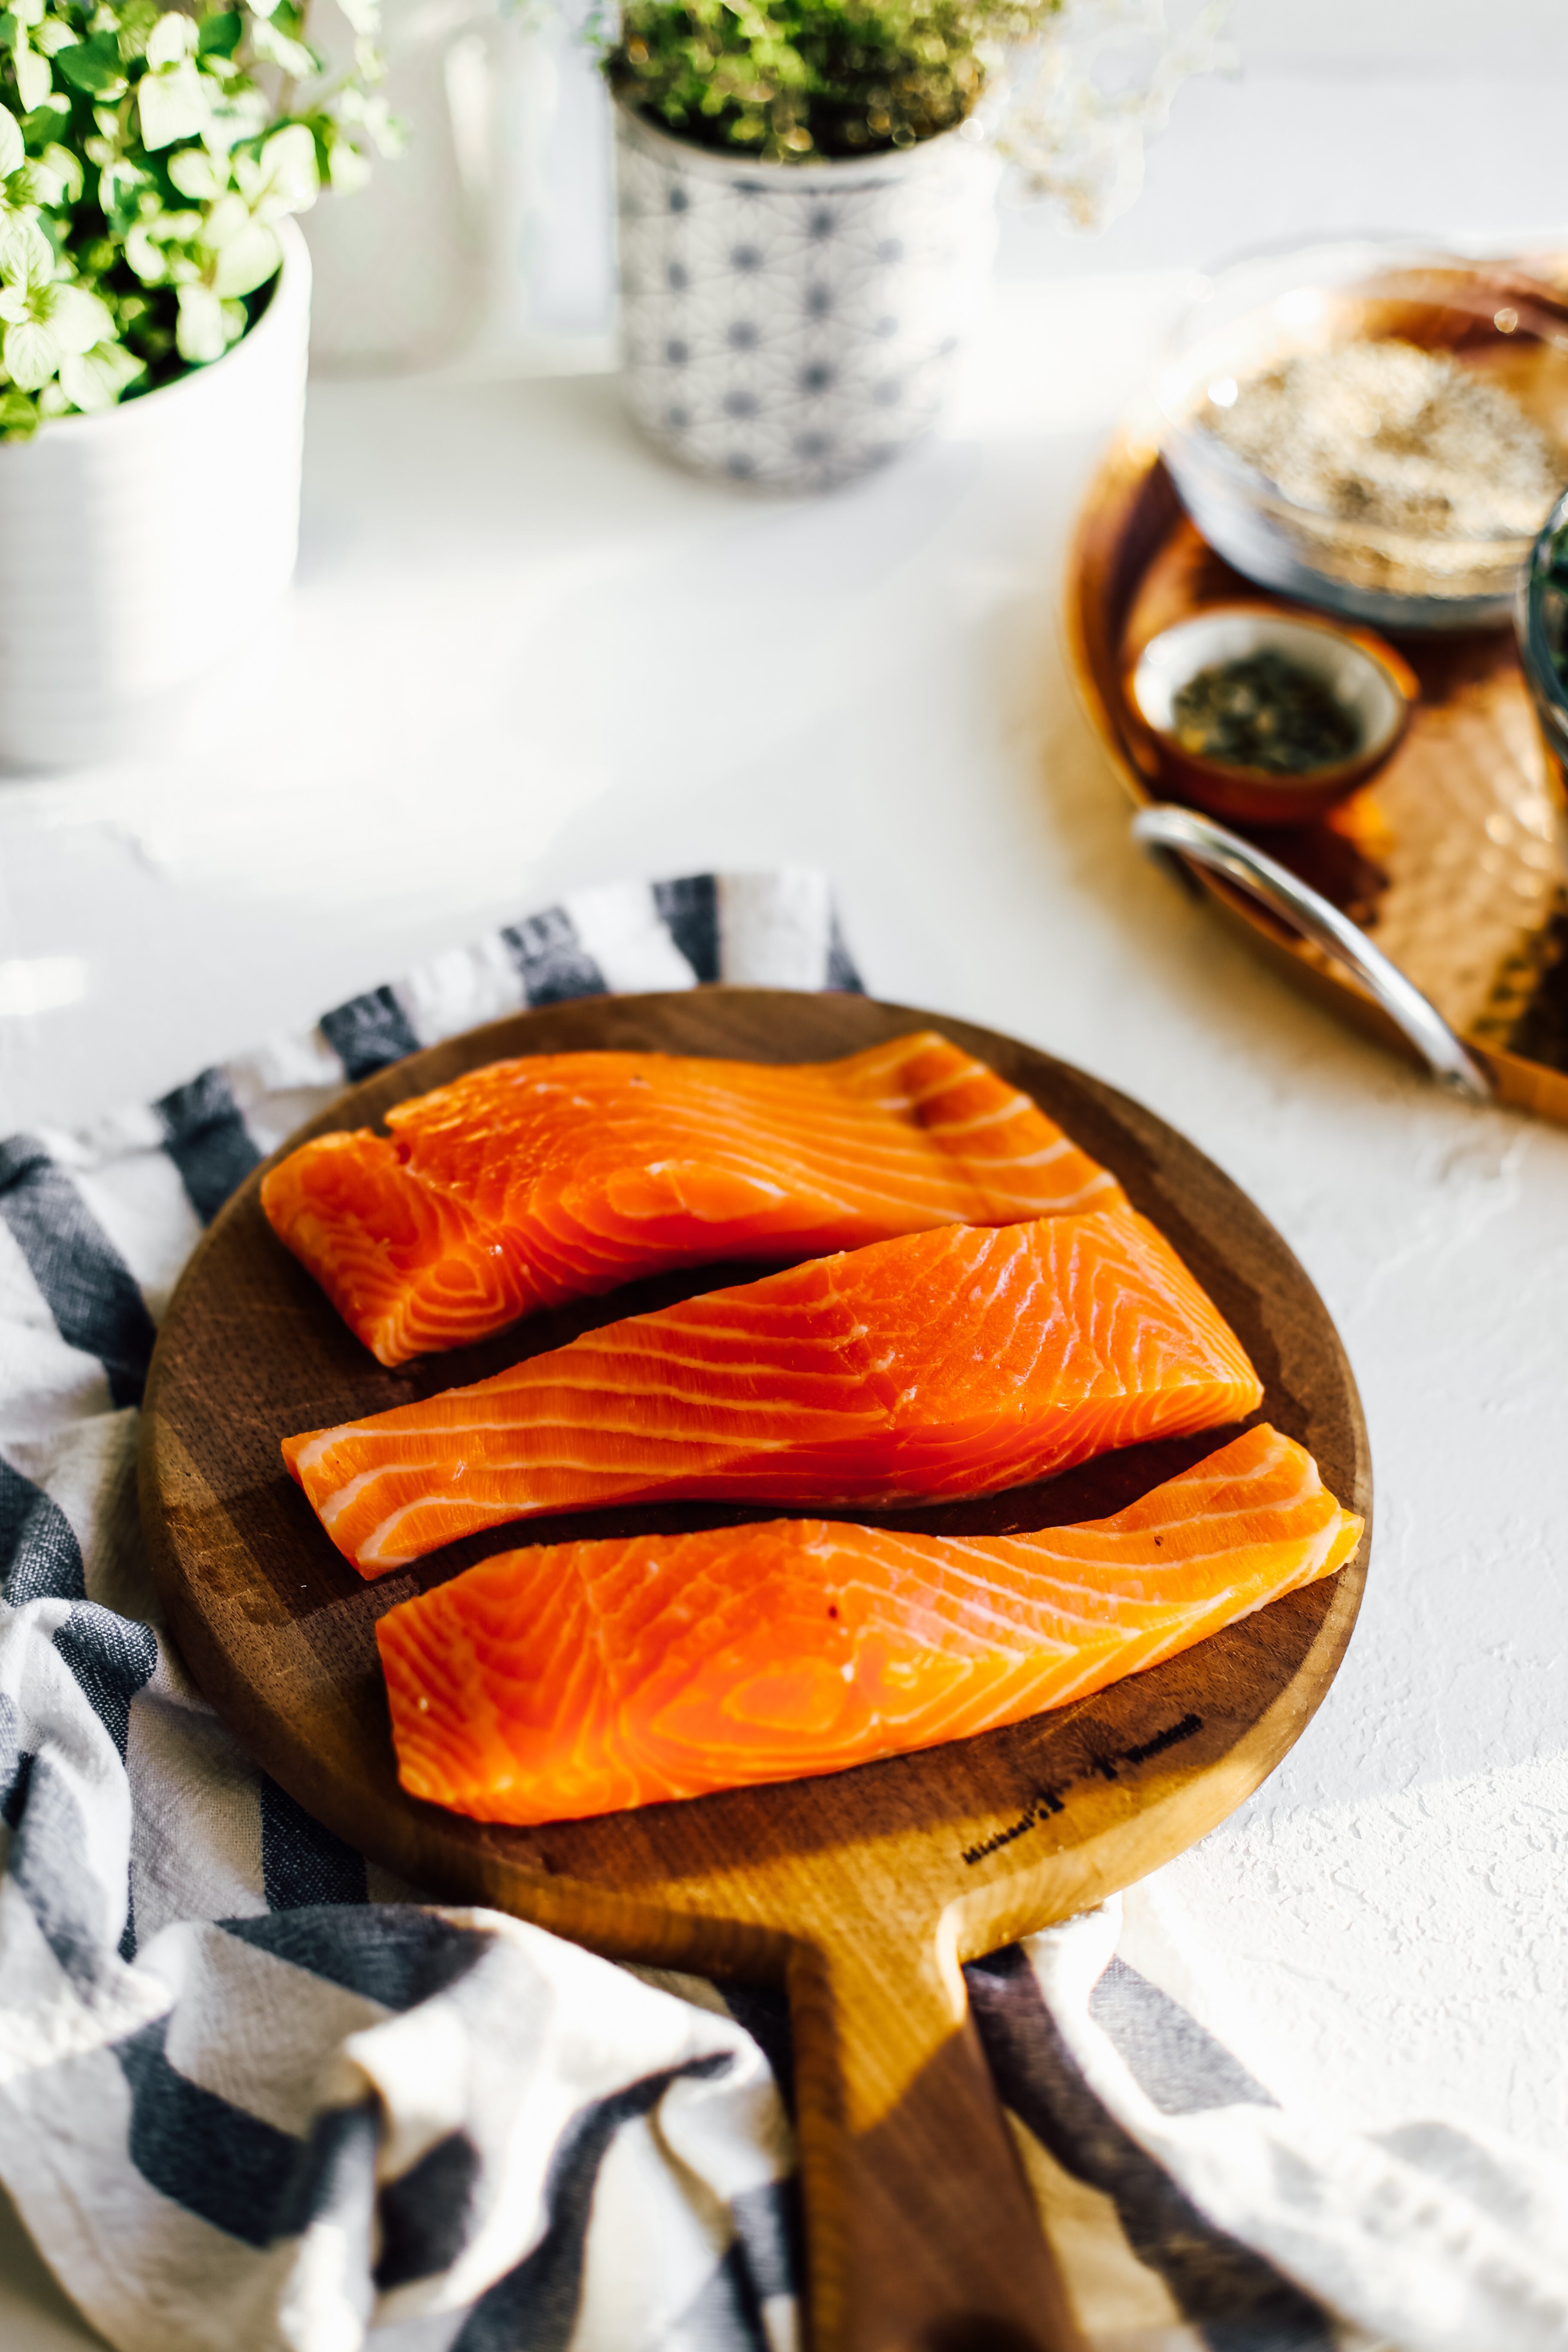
(154, 300)
(807, 203)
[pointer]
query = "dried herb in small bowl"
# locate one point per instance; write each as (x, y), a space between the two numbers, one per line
(1262, 711)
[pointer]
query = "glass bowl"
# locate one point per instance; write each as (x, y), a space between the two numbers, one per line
(1258, 313)
(1541, 617)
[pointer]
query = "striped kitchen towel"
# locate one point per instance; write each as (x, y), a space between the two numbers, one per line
(256, 2096)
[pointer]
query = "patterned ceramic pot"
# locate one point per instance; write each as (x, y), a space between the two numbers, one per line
(141, 545)
(794, 325)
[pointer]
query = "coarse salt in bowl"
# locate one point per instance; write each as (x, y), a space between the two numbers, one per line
(1402, 484)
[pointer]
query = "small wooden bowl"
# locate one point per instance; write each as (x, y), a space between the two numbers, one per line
(1364, 673)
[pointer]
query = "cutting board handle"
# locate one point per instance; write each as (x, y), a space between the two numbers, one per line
(922, 2234)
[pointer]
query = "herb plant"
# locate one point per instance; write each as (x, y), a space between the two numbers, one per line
(1080, 83)
(146, 156)
(793, 79)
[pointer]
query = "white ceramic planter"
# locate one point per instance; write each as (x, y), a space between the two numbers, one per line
(138, 545)
(793, 325)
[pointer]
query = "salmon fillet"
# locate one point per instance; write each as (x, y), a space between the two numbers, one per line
(952, 1362)
(561, 1175)
(586, 1677)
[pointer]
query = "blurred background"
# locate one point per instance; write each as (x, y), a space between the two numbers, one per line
(513, 624)
(497, 224)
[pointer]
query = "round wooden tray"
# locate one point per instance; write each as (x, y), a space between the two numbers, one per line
(1451, 860)
(863, 1889)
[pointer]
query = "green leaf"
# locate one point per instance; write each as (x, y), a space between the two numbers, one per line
(34, 79)
(18, 416)
(30, 353)
(13, 154)
(171, 41)
(247, 261)
(290, 56)
(171, 104)
(118, 187)
(228, 218)
(389, 132)
(144, 257)
(219, 34)
(94, 67)
(78, 319)
(283, 178)
(199, 334)
(347, 168)
(26, 256)
(197, 174)
(96, 379)
(60, 174)
(45, 121)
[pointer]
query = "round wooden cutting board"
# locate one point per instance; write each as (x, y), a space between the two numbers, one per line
(864, 1890)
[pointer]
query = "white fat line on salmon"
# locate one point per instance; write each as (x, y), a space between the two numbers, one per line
(374, 1549)
(950, 1080)
(1020, 1105)
(559, 1406)
(337, 1502)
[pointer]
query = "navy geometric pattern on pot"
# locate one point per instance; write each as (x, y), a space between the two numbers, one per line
(794, 325)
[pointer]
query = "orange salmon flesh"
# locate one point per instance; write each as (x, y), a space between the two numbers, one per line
(583, 1678)
(946, 1363)
(563, 1175)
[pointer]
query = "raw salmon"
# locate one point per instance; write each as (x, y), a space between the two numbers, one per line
(584, 1677)
(561, 1175)
(950, 1362)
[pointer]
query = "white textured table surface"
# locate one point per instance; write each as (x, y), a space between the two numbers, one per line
(522, 655)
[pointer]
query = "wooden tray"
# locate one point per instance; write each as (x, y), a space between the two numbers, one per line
(864, 1890)
(1451, 860)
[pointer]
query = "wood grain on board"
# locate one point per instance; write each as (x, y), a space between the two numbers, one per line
(864, 1890)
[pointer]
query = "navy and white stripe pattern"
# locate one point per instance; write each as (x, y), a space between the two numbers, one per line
(257, 2097)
